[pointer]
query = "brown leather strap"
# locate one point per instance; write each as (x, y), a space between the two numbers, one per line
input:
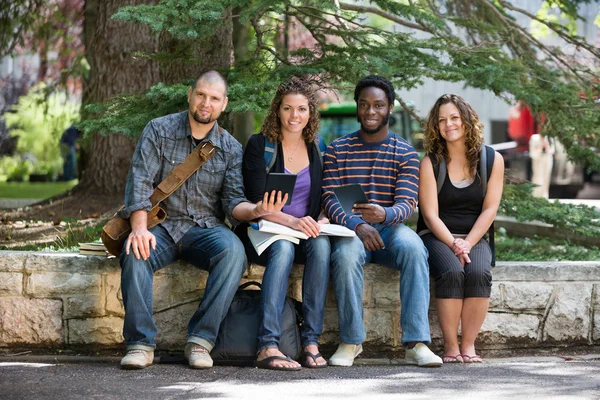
(182, 172)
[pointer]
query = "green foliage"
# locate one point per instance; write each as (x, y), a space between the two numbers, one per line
(518, 202)
(37, 190)
(406, 41)
(38, 122)
(510, 248)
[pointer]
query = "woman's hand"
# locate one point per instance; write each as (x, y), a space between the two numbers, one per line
(461, 246)
(464, 259)
(322, 218)
(307, 225)
(271, 203)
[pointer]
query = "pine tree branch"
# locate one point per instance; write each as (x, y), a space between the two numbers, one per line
(527, 35)
(386, 15)
(554, 27)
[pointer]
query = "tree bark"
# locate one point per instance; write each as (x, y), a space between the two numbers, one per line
(114, 70)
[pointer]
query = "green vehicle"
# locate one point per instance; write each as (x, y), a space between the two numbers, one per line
(339, 119)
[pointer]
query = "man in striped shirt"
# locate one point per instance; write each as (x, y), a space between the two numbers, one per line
(387, 168)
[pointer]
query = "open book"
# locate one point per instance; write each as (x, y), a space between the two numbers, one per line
(264, 233)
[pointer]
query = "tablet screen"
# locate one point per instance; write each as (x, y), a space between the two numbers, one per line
(349, 195)
(283, 182)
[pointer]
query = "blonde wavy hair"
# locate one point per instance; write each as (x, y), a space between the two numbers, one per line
(271, 126)
(435, 144)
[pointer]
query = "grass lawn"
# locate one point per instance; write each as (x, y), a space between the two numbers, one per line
(37, 190)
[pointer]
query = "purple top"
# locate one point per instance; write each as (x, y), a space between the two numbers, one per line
(300, 202)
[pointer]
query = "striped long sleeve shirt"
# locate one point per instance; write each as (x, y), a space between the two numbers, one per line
(387, 171)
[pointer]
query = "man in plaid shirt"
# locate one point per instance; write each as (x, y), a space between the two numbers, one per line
(194, 229)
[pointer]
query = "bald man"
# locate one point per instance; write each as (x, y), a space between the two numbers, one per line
(194, 229)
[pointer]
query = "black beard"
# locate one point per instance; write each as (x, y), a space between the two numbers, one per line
(374, 130)
(199, 120)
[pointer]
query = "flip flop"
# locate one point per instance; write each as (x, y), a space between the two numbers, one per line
(304, 360)
(454, 359)
(266, 364)
(475, 359)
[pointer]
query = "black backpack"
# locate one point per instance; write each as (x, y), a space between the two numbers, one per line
(236, 341)
(486, 162)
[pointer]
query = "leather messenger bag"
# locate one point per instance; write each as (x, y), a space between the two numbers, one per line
(117, 229)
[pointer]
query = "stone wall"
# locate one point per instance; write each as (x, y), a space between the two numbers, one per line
(68, 301)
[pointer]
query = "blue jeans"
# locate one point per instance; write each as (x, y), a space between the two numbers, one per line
(216, 250)
(280, 257)
(404, 251)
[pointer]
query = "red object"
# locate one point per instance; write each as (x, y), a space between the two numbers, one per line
(521, 125)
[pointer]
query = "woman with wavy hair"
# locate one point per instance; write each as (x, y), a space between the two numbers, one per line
(291, 125)
(453, 221)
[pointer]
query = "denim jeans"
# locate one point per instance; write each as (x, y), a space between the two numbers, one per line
(216, 250)
(404, 251)
(280, 257)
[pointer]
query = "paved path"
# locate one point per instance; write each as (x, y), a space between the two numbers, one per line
(509, 378)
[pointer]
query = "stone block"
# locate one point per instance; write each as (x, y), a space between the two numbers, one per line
(569, 317)
(172, 326)
(596, 301)
(52, 284)
(382, 327)
(30, 321)
(106, 331)
(69, 262)
(90, 305)
(527, 295)
(330, 334)
(386, 294)
(378, 273)
(596, 330)
(11, 261)
(178, 287)
(547, 271)
(434, 326)
(496, 295)
(254, 272)
(112, 294)
(499, 328)
(11, 283)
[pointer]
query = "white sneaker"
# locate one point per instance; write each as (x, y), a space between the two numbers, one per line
(197, 356)
(137, 359)
(345, 354)
(423, 357)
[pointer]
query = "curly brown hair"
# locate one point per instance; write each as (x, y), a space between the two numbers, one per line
(435, 144)
(271, 126)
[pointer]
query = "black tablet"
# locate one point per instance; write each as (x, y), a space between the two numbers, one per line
(349, 195)
(283, 182)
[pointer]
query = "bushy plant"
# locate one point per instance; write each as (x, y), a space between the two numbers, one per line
(38, 122)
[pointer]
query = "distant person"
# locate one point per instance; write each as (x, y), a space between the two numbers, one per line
(291, 125)
(387, 168)
(194, 230)
(541, 152)
(68, 150)
(452, 223)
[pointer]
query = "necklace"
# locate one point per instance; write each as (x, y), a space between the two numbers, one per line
(291, 156)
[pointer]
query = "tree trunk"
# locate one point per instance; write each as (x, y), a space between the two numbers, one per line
(113, 71)
(243, 122)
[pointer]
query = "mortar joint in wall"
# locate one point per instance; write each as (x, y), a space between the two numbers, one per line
(542, 328)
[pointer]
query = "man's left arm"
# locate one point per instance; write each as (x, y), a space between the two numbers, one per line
(236, 206)
(405, 195)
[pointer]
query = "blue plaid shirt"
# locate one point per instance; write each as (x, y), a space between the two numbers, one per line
(207, 197)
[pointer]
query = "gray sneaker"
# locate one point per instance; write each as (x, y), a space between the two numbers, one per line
(197, 356)
(423, 357)
(345, 354)
(137, 359)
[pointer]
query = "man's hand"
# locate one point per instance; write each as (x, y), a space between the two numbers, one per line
(370, 212)
(370, 237)
(270, 204)
(140, 242)
(307, 225)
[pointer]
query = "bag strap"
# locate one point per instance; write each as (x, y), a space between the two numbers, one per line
(270, 152)
(182, 172)
(247, 284)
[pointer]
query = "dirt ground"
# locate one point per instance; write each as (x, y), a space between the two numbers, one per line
(46, 221)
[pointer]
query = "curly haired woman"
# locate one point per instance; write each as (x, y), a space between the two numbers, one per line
(452, 223)
(291, 123)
